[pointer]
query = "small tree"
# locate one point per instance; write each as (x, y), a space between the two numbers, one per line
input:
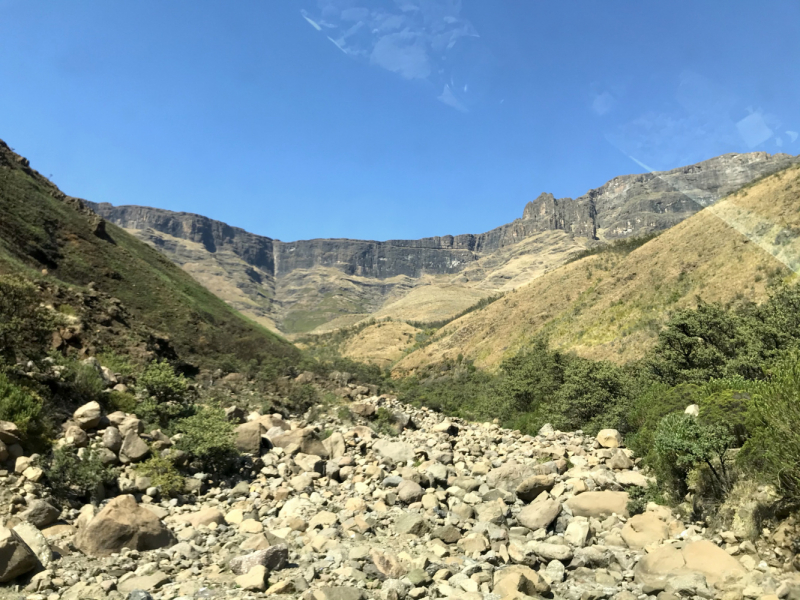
(682, 443)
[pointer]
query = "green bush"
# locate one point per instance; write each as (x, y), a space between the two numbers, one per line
(639, 497)
(85, 383)
(773, 450)
(122, 401)
(682, 443)
(159, 381)
(163, 474)
(385, 422)
(26, 327)
(19, 405)
(71, 477)
(118, 363)
(209, 437)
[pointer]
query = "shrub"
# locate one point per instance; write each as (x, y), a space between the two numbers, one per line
(159, 381)
(19, 405)
(774, 448)
(209, 437)
(26, 327)
(71, 477)
(84, 381)
(118, 363)
(114, 401)
(385, 422)
(682, 443)
(639, 497)
(163, 474)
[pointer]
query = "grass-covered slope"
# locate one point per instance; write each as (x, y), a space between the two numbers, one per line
(611, 305)
(53, 236)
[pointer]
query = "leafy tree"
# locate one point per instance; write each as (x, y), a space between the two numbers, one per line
(532, 377)
(682, 443)
(26, 327)
(593, 395)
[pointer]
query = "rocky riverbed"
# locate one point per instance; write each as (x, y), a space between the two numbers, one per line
(333, 510)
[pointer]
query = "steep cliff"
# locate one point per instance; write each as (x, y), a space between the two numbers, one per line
(296, 286)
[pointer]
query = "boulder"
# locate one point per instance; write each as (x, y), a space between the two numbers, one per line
(338, 593)
(88, 416)
(204, 516)
(272, 559)
(248, 437)
(40, 513)
(16, 557)
(335, 445)
(36, 541)
(509, 476)
(409, 491)
(387, 563)
(9, 433)
(512, 581)
(395, 451)
(133, 448)
(412, 524)
(75, 436)
(255, 580)
(620, 461)
(609, 438)
(306, 439)
(658, 567)
(530, 488)
(540, 514)
(599, 504)
(122, 524)
(644, 530)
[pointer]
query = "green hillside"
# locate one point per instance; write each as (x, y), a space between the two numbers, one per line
(56, 239)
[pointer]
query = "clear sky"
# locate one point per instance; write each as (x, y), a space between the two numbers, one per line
(386, 119)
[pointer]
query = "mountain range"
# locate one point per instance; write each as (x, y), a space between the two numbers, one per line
(323, 284)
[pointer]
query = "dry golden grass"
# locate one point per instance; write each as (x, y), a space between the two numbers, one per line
(611, 307)
(382, 344)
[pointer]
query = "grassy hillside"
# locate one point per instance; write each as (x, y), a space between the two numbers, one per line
(611, 305)
(53, 236)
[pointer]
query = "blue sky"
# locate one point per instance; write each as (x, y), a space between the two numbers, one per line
(387, 118)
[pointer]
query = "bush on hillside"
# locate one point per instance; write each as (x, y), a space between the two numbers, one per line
(74, 478)
(160, 382)
(26, 327)
(682, 443)
(19, 405)
(163, 474)
(208, 436)
(773, 451)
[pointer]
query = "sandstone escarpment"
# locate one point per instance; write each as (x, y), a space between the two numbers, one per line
(254, 273)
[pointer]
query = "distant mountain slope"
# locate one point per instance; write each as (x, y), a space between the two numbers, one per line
(300, 286)
(44, 231)
(612, 306)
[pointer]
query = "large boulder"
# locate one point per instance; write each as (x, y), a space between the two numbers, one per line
(248, 437)
(123, 524)
(395, 451)
(306, 440)
(644, 530)
(509, 476)
(36, 541)
(609, 438)
(9, 433)
(88, 416)
(16, 557)
(599, 504)
(133, 448)
(662, 565)
(530, 488)
(540, 514)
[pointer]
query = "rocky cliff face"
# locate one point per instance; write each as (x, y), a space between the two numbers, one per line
(629, 205)
(625, 206)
